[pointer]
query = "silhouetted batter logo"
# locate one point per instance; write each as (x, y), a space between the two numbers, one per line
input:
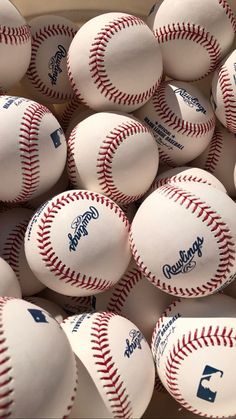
(56, 137)
(209, 384)
(38, 315)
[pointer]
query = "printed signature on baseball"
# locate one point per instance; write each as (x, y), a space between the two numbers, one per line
(79, 225)
(186, 262)
(133, 343)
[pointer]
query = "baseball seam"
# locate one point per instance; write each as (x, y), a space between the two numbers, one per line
(32, 73)
(14, 36)
(112, 383)
(98, 70)
(164, 158)
(71, 166)
(229, 12)
(177, 178)
(194, 33)
(198, 338)
(49, 257)
(29, 150)
(228, 97)
(220, 231)
(13, 245)
(106, 153)
(173, 121)
(122, 290)
(214, 152)
(6, 399)
(72, 106)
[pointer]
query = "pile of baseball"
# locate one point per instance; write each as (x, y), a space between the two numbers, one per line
(117, 213)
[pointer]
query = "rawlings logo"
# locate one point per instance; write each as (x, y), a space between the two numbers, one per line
(54, 64)
(133, 343)
(185, 263)
(190, 100)
(79, 225)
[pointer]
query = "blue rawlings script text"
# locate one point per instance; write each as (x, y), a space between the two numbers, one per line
(79, 225)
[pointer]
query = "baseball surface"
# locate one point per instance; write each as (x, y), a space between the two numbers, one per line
(193, 39)
(15, 45)
(101, 77)
(197, 337)
(183, 239)
(181, 119)
(9, 284)
(52, 308)
(66, 248)
(34, 140)
(112, 349)
(46, 78)
(224, 92)
(107, 152)
(28, 334)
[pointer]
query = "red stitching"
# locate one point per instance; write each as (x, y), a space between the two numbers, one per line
(165, 313)
(17, 36)
(51, 260)
(173, 121)
(194, 33)
(32, 73)
(214, 152)
(229, 12)
(122, 289)
(72, 106)
(98, 70)
(29, 150)
(106, 154)
(228, 96)
(71, 167)
(157, 183)
(13, 246)
(69, 407)
(112, 382)
(191, 342)
(164, 158)
(6, 399)
(220, 231)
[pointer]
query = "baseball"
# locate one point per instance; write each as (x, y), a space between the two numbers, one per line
(136, 299)
(34, 140)
(179, 176)
(46, 78)
(181, 119)
(9, 284)
(219, 159)
(197, 338)
(224, 92)
(52, 308)
(13, 224)
(28, 372)
(15, 46)
(112, 47)
(70, 304)
(77, 243)
(107, 152)
(183, 239)
(113, 351)
(193, 37)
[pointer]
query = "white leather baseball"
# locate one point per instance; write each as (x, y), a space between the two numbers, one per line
(108, 151)
(13, 224)
(219, 159)
(9, 284)
(28, 336)
(198, 338)
(114, 351)
(119, 65)
(15, 45)
(47, 78)
(224, 92)
(179, 176)
(77, 243)
(181, 119)
(184, 239)
(33, 141)
(52, 308)
(193, 36)
(70, 304)
(74, 112)
(136, 299)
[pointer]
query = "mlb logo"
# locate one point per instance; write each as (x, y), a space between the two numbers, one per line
(56, 137)
(38, 315)
(210, 383)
